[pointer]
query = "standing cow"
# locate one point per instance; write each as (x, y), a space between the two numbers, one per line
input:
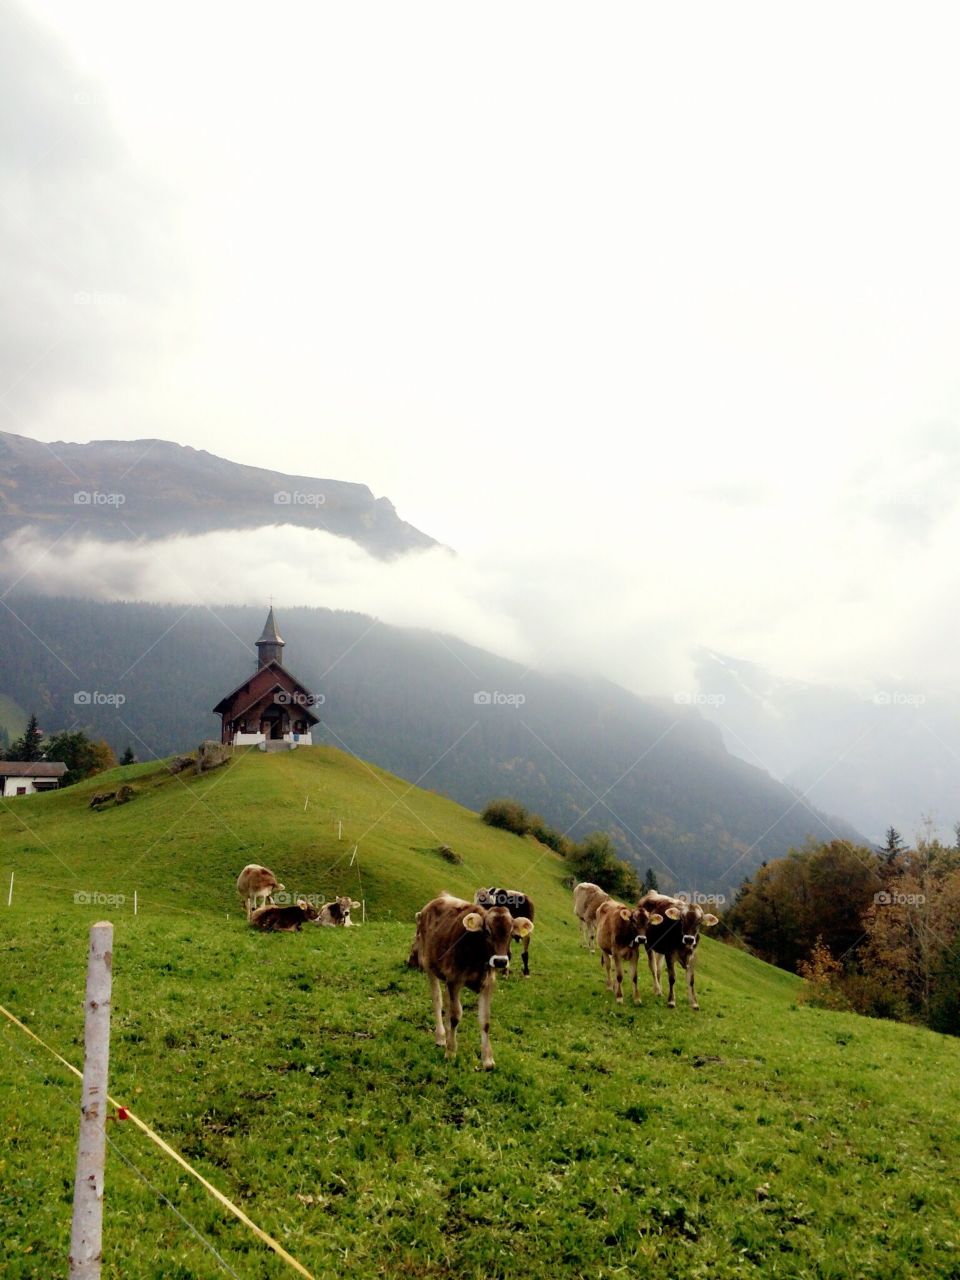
(255, 882)
(520, 905)
(621, 932)
(676, 939)
(587, 899)
(461, 944)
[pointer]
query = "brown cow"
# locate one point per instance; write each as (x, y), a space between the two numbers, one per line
(336, 914)
(520, 905)
(676, 939)
(255, 882)
(283, 919)
(621, 932)
(462, 944)
(587, 898)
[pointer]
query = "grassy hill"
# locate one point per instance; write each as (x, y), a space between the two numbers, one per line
(298, 1072)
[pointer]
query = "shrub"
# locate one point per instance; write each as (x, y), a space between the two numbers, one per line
(509, 815)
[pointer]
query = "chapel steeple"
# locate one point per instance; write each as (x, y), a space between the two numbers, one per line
(269, 646)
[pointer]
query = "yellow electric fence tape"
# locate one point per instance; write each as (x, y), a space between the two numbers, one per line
(168, 1150)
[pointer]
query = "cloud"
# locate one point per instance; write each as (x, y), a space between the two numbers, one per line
(89, 266)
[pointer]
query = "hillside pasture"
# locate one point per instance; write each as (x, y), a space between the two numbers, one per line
(298, 1072)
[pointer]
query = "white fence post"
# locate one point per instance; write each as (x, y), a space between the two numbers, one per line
(134, 902)
(10, 894)
(86, 1233)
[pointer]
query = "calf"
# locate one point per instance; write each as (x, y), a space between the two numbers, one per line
(520, 906)
(255, 882)
(336, 914)
(621, 932)
(676, 939)
(462, 944)
(283, 919)
(587, 898)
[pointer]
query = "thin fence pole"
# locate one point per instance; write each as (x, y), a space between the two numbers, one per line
(10, 894)
(86, 1233)
(339, 828)
(134, 902)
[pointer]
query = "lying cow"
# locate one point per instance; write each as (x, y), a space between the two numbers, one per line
(336, 914)
(461, 944)
(676, 939)
(520, 906)
(255, 882)
(587, 899)
(621, 932)
(283, 919)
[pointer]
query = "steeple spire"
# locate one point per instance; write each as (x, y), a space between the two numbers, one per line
(270, 645)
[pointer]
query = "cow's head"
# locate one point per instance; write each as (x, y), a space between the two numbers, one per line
(690, 917)
(639, 919)
(310, 912)
(497, 927)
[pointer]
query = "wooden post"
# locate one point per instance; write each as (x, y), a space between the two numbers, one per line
(363, 910)
(85, 1235)
(339, 828)
(134, 902)
(10, 894)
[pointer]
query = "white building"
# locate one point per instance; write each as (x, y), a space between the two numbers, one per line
(24, 777)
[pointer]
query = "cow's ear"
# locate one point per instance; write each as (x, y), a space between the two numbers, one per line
(302, 903)
(473, 921)
(624, 913)
(522, 927)
(355, 906)
(710, 921)
(656, 918)
(672, 913)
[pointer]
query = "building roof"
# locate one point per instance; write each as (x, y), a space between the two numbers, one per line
(270, 633)
(32, 768)
(224, 704)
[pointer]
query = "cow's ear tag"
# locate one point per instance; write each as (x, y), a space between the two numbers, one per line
(673, 913)
(624, 913)
(473, 922)
(522, 927)
(656, 918)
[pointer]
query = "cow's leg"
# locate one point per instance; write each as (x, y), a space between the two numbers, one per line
(634, 960)
(688, 965)
(618, 989)
(605, 966)
(439, 1034)
(526, 962)
(672, 972)
(483, 1017)
(454, 1014)
(653, 960)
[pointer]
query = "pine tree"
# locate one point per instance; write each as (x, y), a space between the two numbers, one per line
(895, 844)
(128, 757)
(650, 882)
(29, 746)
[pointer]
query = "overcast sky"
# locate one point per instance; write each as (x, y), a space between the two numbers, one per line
(651, 312)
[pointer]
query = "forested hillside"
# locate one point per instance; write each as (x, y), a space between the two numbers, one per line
(584, 753)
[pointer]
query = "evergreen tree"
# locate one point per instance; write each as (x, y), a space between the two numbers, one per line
(29, 747)
(894, 843)
(128, 757)
(650, 882)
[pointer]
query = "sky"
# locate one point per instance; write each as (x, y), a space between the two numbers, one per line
(649, 312)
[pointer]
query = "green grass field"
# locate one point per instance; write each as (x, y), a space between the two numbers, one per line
(298, 1072)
